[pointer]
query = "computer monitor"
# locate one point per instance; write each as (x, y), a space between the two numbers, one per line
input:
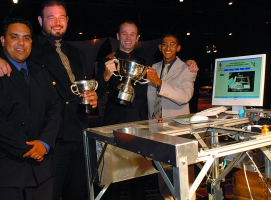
(239, 81)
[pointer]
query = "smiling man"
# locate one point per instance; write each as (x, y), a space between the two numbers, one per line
(29, 119)
(172, 84)
(116, 112)
(65, 64)
(169, 91)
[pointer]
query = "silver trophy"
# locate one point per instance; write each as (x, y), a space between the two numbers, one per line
(134, 74)
(82, 87)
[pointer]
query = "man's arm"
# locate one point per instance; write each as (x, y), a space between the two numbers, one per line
(105, 71)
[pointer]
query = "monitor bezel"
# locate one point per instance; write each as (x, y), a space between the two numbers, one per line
(239, 101)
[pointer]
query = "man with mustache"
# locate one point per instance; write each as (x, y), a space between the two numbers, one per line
(70, 172)
(29, 119)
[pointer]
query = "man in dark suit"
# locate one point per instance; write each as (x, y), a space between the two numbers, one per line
(70, 175)
(29, 119)
(128, 36)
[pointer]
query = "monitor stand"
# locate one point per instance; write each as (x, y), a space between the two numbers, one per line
(237, 108)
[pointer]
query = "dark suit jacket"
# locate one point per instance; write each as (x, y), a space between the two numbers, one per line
(116, 113)
(44, 53)
(26, 113)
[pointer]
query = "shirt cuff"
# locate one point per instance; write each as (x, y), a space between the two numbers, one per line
(46, 146)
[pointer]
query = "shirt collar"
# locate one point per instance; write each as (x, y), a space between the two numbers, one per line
(19, 67)
(170, 63)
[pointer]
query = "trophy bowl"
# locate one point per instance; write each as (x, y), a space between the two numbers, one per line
(133, 72)
(132, 69)
(84, 86)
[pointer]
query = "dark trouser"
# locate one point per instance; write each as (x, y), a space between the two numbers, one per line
(43, 191)
(70, 171)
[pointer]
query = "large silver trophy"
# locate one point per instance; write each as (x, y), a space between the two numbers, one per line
(81, 87)
(134, 74)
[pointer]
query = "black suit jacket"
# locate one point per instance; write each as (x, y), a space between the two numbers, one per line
(73, 122)
(26, 113)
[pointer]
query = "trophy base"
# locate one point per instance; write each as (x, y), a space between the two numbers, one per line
(123, 102)
(126, 97)
(87, 109)
(122, 98)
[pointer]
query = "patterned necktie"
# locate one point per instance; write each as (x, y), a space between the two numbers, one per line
(26, 77)
(65, 62)
(158, 106)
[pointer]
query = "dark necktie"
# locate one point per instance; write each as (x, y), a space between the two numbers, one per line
(26, 77)
(128, 56)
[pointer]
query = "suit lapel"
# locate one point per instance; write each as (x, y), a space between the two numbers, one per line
(158, 68)
(57, 71)
(175, 68)
(54, 62)
(76, 61)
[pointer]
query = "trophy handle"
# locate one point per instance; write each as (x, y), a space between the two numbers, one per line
(96, 85)
(143, 82)
(76, 92)
(117, 75)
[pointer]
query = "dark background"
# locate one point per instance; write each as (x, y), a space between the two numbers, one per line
(208, 21)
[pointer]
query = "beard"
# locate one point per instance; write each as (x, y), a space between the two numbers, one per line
(54, 36)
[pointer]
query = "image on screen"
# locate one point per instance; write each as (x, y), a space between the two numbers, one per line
(239, 81)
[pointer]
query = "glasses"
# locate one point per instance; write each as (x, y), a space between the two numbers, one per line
(171, 44)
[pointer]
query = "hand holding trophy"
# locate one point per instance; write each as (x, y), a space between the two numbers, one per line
(82, 87)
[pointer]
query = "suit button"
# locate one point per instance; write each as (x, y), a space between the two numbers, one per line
(67, 102)
(23, 125)
(54, 83)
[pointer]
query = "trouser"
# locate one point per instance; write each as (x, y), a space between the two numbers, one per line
(70, 171)
(43, 191)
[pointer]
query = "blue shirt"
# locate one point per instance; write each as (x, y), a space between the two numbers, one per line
(19, 67)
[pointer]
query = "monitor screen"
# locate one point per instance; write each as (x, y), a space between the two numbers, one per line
(239, 81)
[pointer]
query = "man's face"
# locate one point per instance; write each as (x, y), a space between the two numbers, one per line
(54, 22)
(169, 47)
(17, 43)
(128, 36)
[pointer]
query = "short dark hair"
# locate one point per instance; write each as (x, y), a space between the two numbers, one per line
(128, 22)
(52, 3)
(16, 20)
(170, 35)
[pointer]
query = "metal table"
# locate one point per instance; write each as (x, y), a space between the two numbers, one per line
(123, 151)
